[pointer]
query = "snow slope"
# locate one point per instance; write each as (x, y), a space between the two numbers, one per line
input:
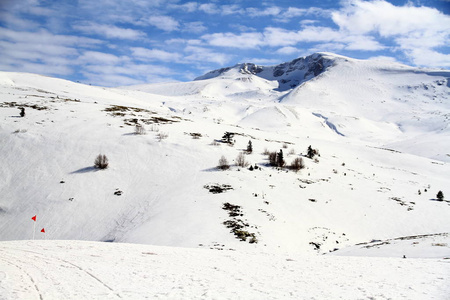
(92, 270)
(376, 177)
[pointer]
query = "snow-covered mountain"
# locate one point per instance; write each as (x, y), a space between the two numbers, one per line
(381, 130)
(288, 75)
(382, 135)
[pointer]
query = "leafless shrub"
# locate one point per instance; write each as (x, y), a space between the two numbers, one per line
(272, 156)
(154, 128)
(240, 160)
(162, 136)
(285, 146)
(101, 161)
(223, 163)
(266, 151)
(291, 152)
(297, 164)
(139, 129)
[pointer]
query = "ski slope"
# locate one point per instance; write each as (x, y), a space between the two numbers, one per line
(92, 270)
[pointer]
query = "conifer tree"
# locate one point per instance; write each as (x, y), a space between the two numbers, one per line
(440, 196)
(280, 159)
(249, 147)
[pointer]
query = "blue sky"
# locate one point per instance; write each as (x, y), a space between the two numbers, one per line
(113, 43)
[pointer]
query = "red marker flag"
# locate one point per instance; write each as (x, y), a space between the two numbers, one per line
(34, 218)
(43, 230)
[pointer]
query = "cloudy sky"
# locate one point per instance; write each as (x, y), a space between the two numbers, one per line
(112, 42)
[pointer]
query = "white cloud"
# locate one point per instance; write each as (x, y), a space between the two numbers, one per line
(294, 12)
(415, 30)
(205, 55)
(263, 61)
(46, 38)
(209, 8)
(165, 23)
(287, 50)
(362, 17)
(245, 40)
(194, 27)
(12, 21)
(230, 9)
(429, 58)
(95, 58)
(154, 55)
(187, 7)
(269, 11)
(110, 31)
(363, 43)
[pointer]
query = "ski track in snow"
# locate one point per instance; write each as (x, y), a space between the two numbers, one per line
(94, 270)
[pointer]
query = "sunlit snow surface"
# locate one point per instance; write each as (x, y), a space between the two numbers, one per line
(93, 270)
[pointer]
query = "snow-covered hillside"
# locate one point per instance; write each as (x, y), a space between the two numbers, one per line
(381, 130)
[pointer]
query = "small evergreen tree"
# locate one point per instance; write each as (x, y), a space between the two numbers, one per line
(228, 137)
(310, 152)
(249, 147)
(22, 112)
(440, 196)
(280, 159)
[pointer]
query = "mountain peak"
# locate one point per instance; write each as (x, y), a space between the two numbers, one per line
(289, 74)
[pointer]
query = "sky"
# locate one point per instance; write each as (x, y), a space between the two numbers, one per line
(116, 43)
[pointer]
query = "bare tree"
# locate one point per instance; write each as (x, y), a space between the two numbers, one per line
(240, 160)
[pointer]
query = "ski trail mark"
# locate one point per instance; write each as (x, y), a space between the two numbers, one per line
(29, 276)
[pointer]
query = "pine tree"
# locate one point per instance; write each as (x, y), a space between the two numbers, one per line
(280, 159)
(228, 137)
(440, 196)
(311, 152)
(249, 147)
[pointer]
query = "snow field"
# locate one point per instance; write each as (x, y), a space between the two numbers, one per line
(80, 270)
